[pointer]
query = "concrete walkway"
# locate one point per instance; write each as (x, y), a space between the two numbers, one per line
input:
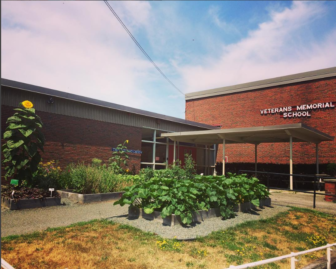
(31, 220)
(15, 222)
(305, 200)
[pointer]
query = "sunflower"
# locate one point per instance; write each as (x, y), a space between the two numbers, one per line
(27, 104)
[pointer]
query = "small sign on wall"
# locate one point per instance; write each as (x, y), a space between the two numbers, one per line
(128, 150)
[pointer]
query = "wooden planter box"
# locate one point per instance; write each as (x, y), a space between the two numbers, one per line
(89, 198)
(199, 216)
(30, 203)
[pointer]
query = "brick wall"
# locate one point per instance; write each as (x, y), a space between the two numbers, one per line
(72, 140)
(243, 110)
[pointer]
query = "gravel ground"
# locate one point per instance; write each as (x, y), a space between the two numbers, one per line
(18, 222)
(202, 229)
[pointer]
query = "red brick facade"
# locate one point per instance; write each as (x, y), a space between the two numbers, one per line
(243, 110)
(72, 140)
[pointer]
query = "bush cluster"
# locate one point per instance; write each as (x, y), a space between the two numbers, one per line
(81, 178)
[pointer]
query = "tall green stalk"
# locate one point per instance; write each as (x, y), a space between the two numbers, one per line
(23, 138)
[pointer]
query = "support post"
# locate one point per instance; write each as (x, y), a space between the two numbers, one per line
(223, 157)
(256, 159)
(293, 260)
(174, 156)
(154, 149)
(214, 164)
(167, 152)
(328, 257)
(291, 162)
(178, 150)
(205, 160)
(317, 160)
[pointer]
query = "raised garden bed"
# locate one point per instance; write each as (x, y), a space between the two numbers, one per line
(23, 197)
(197, 217)
(89, 198)
(30, 203)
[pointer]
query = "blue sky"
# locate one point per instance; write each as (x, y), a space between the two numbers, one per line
(79, 47)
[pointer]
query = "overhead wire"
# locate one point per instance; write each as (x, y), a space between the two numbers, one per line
(139, 46)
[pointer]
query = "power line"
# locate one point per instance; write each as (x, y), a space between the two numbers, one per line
(139, 46)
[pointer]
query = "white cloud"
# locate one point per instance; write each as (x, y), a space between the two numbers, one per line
(274, 49)
(77, 47)
(227, 27)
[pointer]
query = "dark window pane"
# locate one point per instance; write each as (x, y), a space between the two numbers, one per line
(147, 134)
(160, 153)
(147, 152)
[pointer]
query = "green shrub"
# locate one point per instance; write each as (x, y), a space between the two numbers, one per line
(175, 171)
(94, 179)
(47, 175)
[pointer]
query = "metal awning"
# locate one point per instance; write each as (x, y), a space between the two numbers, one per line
(297, 132)
(252, 135)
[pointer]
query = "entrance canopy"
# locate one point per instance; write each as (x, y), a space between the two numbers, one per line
(252, 135)
(297, 132)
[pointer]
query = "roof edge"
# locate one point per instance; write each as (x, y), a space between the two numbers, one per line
(260, 84)
(78, 98)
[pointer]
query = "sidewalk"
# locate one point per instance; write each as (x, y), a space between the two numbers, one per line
(30, 220)
(305, 200)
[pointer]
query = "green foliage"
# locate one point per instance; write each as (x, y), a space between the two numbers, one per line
(166, 192)
(96, 162)
(175, 171)
(146, 173)
(94, 179)
(189, 166)
(118, 161)
(47, 175)
(23, 140)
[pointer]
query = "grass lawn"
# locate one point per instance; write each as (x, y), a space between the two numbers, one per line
(104, 244)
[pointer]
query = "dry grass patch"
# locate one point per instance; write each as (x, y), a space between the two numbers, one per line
(104, 244)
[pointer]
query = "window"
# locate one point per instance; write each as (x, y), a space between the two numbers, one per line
(154, 149)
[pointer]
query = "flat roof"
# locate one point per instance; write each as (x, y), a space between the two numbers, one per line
(252, 135)
(91, 101)
(272, 82)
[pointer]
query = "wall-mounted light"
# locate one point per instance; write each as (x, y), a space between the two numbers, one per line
(50, 100)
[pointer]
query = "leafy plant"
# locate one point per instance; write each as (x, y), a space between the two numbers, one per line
(146, 173)
(189, 166)
(96, 162)
(23, 137)
(47, 175)
(183, 197)
(94, 179)
(118, 161)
